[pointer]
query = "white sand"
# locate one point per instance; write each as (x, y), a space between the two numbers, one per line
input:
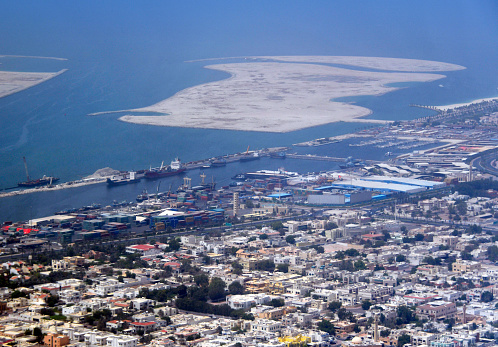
(283, 97)
(13, 82)
(378, 63)
(477, 101)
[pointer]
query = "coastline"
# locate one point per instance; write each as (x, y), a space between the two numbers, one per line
(453, 106)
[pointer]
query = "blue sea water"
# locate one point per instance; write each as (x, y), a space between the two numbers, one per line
(129, 54)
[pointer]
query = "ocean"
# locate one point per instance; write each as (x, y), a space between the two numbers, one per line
(130, 54)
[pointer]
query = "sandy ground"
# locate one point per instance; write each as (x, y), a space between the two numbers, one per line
(284, 96)
(13, 82)
(449, 107)
(386, 64)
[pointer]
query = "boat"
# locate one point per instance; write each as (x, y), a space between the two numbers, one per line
(174, 168)
(278, 155)
(143, 196)
(249, 157)
(45, 180)
(280, 174)
(126, 178)
(239, 177)
(218, 162)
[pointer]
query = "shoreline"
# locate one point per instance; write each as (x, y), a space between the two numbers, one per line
(453, 106)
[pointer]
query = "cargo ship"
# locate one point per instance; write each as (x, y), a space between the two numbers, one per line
(39, 182)
(45, 180)
(125, 178)
(174, 168)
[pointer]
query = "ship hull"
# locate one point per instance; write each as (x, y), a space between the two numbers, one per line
(38, 182)
(112, 183)
(163, 173)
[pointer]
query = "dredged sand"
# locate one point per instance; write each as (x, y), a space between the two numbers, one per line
(13, 82)
(284, 96)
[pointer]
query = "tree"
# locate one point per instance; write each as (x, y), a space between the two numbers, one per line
(385, 333)
(330, 226)
(486, 296)
(277, 302)
(235, 288)
(335, 305)
(403, 340)
(263, 236)
(38, 333)
(216, 289)
(52, 300)
(237, 268)
(344, 314)
(359, 265)
(291, 239)
(405, 315)
(173, 244)
(400, 258)
(351, 252)
(201, 280)
(265, 265)
(493, 253)
(283, 267)
(461, 207)
(366, 305)
(326, 326)
(277, 226)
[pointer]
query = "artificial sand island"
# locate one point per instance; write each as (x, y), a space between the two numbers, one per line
(283, 94)
(13, 82)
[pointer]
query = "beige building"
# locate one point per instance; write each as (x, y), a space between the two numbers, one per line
(437, 310)
(466, 266)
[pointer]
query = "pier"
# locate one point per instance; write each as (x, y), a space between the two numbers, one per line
(325, 158)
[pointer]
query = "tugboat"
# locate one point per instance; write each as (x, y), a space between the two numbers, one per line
(174, 168)
(143, 196)
(45, 180)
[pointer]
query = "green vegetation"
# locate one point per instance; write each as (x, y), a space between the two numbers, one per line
(216, 289)
(236, 288)
(326, 326)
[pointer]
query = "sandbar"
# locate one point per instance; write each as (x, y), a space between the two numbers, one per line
(453, 106)
(285, 94)
(12, 82)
